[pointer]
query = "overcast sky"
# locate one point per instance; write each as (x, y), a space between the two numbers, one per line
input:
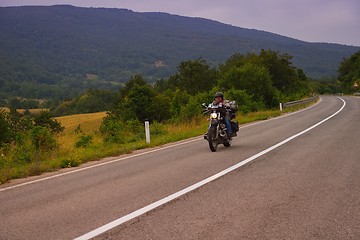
(332, 21)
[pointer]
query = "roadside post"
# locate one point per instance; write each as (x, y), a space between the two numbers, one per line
(147, 131)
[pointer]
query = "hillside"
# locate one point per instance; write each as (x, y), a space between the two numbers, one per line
(58, 51)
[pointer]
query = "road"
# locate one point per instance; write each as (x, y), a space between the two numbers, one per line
(307, 187)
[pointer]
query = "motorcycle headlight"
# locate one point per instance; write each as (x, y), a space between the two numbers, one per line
(213, 115)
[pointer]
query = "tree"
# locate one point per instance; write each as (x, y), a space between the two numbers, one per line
(194, 76)
(236, 60)
(254, 79)
(136, 80)
(285, 78)
(283, 75)
(349, 72)
(44, 119)
(179, 99)
(161, 105)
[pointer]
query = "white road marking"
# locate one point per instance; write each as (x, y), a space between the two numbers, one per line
(173, 196)
(136, 155)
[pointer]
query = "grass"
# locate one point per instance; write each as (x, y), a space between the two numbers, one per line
(87, 122)
(77, 126)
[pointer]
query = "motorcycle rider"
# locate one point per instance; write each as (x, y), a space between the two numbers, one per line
(219, 100)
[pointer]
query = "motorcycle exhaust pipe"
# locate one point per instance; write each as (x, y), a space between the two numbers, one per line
(222, 133)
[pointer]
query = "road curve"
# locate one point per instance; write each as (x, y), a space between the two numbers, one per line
(307, 188)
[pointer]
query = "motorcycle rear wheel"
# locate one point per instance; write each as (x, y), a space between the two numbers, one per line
(228, 143)
(211, 139)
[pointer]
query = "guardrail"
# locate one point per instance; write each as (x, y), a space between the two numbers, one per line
(293, 103)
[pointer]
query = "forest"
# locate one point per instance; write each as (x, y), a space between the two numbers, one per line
(49, 54)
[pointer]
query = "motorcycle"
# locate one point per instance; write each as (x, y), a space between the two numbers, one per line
(217, 131)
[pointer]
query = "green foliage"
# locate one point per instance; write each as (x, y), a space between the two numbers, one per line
(17, 122)
(23, 153)
(246, 102)
(248, 80)
(180, 99)
(11, 124)
(326, 86)
(192, 109)
(195, 76)
(280, 68)
(136, 80)
(5, 129)
(140, 101)
(84, 141)
(44, 119)
(162, 105)
(93, 100)
(17, 103)
(42, 138)
(113, 128)
(255, 80)
(349, 73)
(68, 163)
(25, 141)
(157, 128)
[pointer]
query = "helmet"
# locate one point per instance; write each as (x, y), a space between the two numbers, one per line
(219, 94)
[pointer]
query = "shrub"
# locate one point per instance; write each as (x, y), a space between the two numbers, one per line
(84, 141)
(157, 129)
(45, 119)
(68, 163)
(192, 109)
(245, 101)
(112, 128)
(5, 133)
(42, 138)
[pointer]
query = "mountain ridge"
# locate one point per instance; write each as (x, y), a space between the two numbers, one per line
(60, 46)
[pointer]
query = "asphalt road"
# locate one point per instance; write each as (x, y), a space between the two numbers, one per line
(306, 188)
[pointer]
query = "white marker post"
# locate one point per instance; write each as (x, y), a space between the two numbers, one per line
(281, 108)
(147, 131)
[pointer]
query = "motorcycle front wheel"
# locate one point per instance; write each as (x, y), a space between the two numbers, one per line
(211, 137)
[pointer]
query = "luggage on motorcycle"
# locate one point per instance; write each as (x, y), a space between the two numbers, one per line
(234, 126)
(233, 106)
(232, 114)
(233, 109)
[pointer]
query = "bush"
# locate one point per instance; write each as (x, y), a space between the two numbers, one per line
(68, 163)
(112, 128)
(192, 109)
(84, 141)
(157, 129)
(5, 133)
(45, 119)
(245, 101)
(42, 138)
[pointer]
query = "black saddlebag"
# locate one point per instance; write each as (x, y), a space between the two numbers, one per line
(234, 126)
